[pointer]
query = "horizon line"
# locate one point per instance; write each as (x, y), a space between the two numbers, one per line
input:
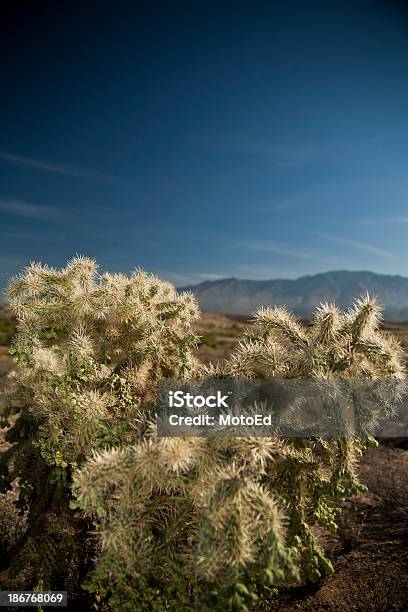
(281, 278)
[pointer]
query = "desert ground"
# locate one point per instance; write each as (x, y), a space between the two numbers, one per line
(370, 548)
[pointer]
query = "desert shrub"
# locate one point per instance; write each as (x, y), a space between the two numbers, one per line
(180, 522)
(88, 348)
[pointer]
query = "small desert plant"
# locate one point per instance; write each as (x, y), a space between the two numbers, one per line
(181, 522)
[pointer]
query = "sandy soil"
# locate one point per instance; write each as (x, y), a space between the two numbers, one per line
(370, 549)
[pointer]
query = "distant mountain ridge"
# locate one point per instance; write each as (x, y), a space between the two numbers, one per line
(302, 295)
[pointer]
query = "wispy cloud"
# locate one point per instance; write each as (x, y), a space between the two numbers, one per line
(31, 211)
(281, 249)
(384, 221)
(279, 204)
(74, 171)
(355, 244)
(295, 154)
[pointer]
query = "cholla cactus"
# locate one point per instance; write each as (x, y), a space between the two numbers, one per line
(89, 347)
(181, 522)
(232, 515)
(348, 344)
(174, 514)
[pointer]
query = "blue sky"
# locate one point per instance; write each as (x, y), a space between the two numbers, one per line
(205, 139)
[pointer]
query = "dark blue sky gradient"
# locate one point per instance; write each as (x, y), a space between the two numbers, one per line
(203, 139)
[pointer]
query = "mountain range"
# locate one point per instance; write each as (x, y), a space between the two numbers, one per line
(304, 294)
